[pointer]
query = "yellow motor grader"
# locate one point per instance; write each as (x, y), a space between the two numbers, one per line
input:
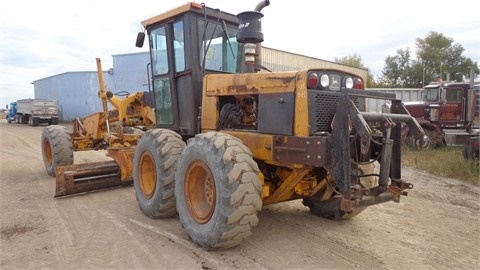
(112, 130)
(231, 137)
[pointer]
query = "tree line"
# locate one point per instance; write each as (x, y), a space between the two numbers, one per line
(437, 57)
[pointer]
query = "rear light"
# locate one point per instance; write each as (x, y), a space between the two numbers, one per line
(349, 82)
(333, 80)
(324, 80)
(312, 80)
(358, 84)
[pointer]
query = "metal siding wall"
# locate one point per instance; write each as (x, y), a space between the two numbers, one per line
(405, 94)
(130, 72)
(76, 92)
(277, 60)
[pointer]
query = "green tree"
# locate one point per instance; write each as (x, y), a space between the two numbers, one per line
(398, 70)
(356, 61)
(437, 57)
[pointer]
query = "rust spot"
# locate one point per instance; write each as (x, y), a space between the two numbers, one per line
(242, 88)
(285, 80)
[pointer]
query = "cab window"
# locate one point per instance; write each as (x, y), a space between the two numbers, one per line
(454, 95)
(158, 41)
(218, 46)
(431, 94)
(163, 100)
(179, 46)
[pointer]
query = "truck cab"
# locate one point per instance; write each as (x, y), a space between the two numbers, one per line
(12, 111)
(446, 106)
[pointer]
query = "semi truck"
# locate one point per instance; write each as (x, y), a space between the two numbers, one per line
(449, 113)
(33, 112)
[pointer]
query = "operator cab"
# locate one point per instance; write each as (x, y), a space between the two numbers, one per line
(185, 44)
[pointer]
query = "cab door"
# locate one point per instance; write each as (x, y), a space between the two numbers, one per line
(451, 112)
(167, 52)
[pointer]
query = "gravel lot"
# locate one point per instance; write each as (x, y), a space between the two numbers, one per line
(436, 226)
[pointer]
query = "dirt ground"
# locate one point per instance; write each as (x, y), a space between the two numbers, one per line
(437, 226)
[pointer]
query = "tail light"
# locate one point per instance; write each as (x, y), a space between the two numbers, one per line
(358, 84)
(312, 80)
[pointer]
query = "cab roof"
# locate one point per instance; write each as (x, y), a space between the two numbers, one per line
(190, 6)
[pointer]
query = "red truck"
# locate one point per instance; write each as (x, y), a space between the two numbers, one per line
(447, 110)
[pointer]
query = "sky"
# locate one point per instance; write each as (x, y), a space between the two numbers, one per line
(43, 38)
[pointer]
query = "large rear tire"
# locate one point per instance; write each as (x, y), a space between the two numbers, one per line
(154, 166)
(218, 191)
(57, 148)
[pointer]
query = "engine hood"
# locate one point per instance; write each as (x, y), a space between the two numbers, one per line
(416, 108)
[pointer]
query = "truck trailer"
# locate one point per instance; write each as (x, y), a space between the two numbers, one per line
(33, 112)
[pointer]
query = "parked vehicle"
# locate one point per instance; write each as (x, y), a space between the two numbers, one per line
(12, 112)
(447, 109)
(33, 112)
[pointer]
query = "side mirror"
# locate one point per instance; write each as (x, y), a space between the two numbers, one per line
(140, 39)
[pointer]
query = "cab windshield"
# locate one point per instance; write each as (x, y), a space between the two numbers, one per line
(430, 94)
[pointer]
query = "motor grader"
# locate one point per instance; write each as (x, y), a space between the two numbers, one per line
(113, 130)
(231, 137)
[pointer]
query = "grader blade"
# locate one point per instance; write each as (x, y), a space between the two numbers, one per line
(79, 178)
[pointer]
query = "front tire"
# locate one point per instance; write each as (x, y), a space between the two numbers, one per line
(431, 139)
(57, 148)
(154, 166)
(218, 191)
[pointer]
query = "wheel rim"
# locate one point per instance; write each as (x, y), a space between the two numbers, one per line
(147, 175)
(425, 143)
(200, 193)
(48, 152)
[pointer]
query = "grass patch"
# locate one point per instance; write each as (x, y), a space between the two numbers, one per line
(447, 161)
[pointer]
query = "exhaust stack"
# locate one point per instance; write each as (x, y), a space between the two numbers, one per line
(250, 34)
